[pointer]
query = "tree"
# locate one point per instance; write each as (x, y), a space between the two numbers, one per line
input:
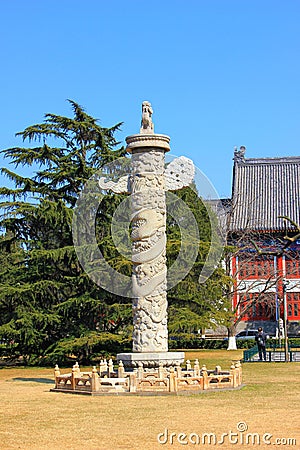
(45, 297)
(194, 305)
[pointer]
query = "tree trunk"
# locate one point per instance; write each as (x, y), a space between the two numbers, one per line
(231, 338)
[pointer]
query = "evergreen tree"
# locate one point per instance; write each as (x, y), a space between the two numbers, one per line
(45, 297)
(194, 305)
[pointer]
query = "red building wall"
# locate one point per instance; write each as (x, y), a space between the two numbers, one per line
(252, 273)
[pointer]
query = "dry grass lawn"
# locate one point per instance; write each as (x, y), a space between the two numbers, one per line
(32, 417)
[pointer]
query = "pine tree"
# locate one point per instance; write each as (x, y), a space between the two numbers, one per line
(45, 297)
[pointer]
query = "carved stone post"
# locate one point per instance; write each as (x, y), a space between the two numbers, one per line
(238, 366)
(196, 368)
(147, 184)
(149, 279)
(74, 375)
(132, 382)
(56, 375)
(205, 377)
(233, 373)
(172, 381)
(121, 371)
(95, 380)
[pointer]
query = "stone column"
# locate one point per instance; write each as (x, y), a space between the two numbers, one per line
(149, 278)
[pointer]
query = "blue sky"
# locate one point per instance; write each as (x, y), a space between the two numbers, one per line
(219, 73)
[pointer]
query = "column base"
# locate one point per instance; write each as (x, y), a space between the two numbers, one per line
(150, 359)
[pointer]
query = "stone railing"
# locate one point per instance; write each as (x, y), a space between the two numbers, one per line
(164, 380)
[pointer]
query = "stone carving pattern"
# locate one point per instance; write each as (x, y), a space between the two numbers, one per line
(122, 185)
(178, 174)
(148, 253)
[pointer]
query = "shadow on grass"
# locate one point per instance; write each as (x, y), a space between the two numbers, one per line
(36, 380)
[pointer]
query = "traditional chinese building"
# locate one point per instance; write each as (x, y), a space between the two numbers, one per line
(266, 265)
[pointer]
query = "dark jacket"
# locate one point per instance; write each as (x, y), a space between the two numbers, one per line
(261, 338)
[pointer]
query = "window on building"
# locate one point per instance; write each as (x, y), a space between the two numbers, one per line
(293, 305)
(254, 266)
(292, 265)
(256, 306)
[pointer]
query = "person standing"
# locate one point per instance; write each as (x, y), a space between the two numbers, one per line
(260, 339)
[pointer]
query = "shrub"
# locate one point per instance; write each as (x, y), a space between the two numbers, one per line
(294, 342)
(85, 349)
(192, 341)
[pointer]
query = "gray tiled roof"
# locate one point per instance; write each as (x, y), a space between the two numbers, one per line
(264, 189)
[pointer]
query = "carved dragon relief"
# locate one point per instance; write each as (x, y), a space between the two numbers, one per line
(151, 162)
(151, 317)
(146, 223)
(149, 272)
(118, 187)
